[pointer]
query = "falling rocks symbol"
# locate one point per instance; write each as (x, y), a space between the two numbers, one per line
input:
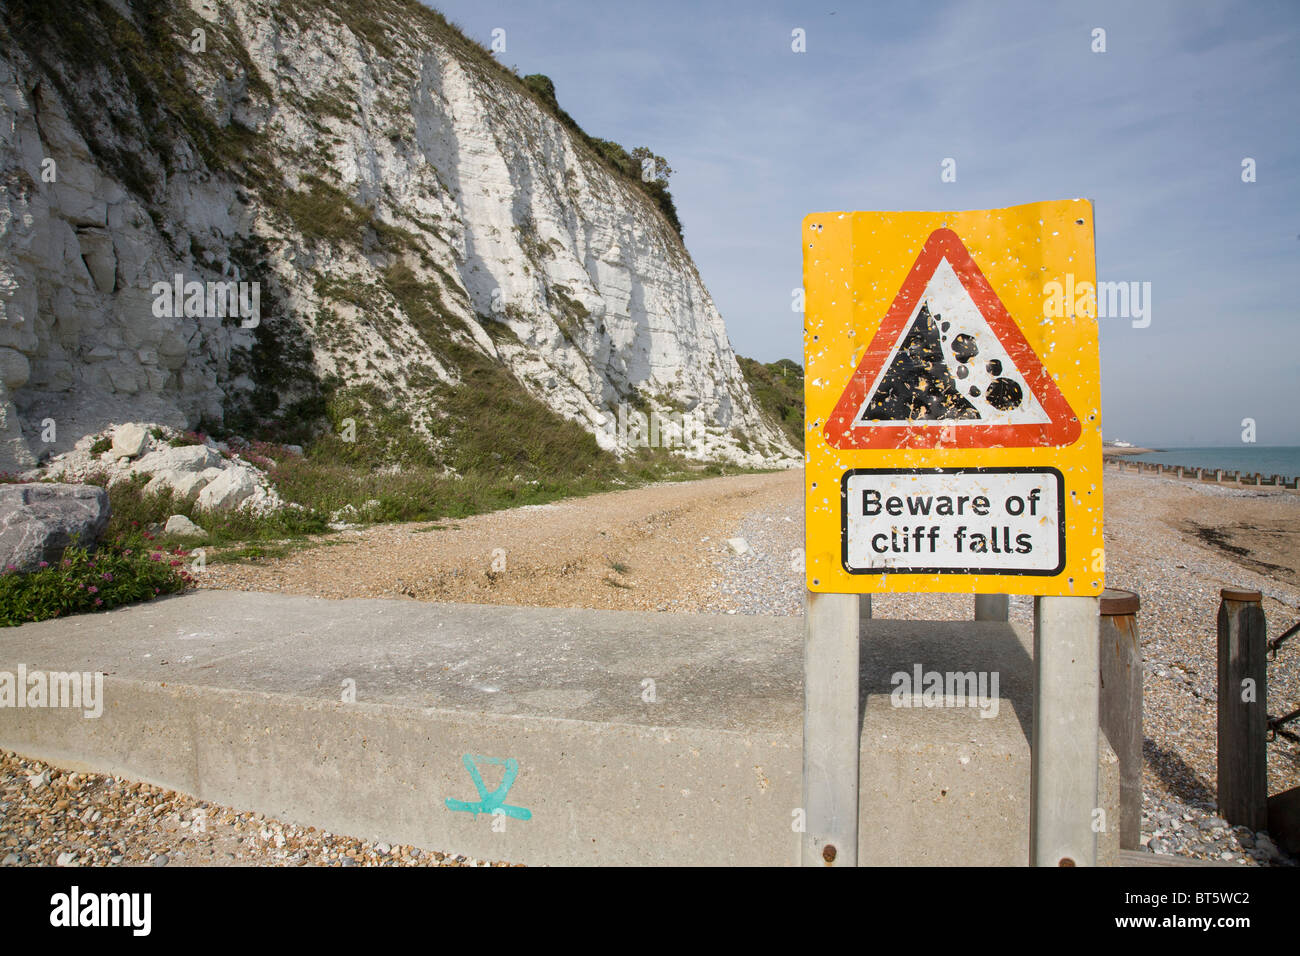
(918, 385)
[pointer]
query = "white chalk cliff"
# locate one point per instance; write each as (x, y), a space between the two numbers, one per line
(395, 195)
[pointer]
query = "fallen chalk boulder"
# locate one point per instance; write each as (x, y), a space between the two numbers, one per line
(39, 521)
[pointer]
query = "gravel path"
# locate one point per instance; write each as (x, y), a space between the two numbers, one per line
(647, 549)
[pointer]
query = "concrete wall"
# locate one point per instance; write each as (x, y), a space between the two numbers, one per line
(233, 698)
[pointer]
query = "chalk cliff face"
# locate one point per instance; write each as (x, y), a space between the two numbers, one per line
(404, 205)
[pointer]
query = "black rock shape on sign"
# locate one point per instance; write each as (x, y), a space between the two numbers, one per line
(918, 386)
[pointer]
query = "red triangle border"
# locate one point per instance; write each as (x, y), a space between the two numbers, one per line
(1062, 427)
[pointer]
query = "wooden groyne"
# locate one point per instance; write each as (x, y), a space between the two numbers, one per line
(1214, 475)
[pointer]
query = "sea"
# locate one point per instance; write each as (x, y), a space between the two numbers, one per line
(1275, 460)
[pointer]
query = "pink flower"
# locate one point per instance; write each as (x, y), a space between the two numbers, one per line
(44, 564)
(92, 590)
(107, 576)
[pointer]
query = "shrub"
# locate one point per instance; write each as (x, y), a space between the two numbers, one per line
(90, 581)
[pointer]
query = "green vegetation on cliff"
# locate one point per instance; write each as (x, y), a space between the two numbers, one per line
(778, 389)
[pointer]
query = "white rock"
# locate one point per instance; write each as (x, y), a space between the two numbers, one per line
(160, 482)
(97, 253)
(193, 458)
(183, 527)
(129, 440)
(738, 545)
(15, 370)
(65, 859)
(228, 490)
(186, 485)
(38, 780)
(15, 454)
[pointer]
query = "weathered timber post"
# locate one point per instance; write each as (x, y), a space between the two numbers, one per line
(831, 730)
(992, 607)
(1063, 755)
(1243, 709)
(1120, 704)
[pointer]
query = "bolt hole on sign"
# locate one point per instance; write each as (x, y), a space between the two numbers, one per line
(953, 401)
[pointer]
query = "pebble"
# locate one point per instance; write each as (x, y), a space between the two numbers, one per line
(1171, 826)
(106, 821)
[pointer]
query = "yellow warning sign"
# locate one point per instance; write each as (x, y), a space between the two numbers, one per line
(953, 401)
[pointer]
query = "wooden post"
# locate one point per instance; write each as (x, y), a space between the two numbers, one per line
(992, 607)
(1063, 761)
(831, 730)
(1243, 709)
(1120, 704)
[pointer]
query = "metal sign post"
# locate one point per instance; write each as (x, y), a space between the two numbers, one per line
(831, 727)
(953, 442)
(1063, 751)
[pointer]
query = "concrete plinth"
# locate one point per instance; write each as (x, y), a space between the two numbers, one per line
(238, 698)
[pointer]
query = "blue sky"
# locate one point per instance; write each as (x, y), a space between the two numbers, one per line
(1154, 131)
